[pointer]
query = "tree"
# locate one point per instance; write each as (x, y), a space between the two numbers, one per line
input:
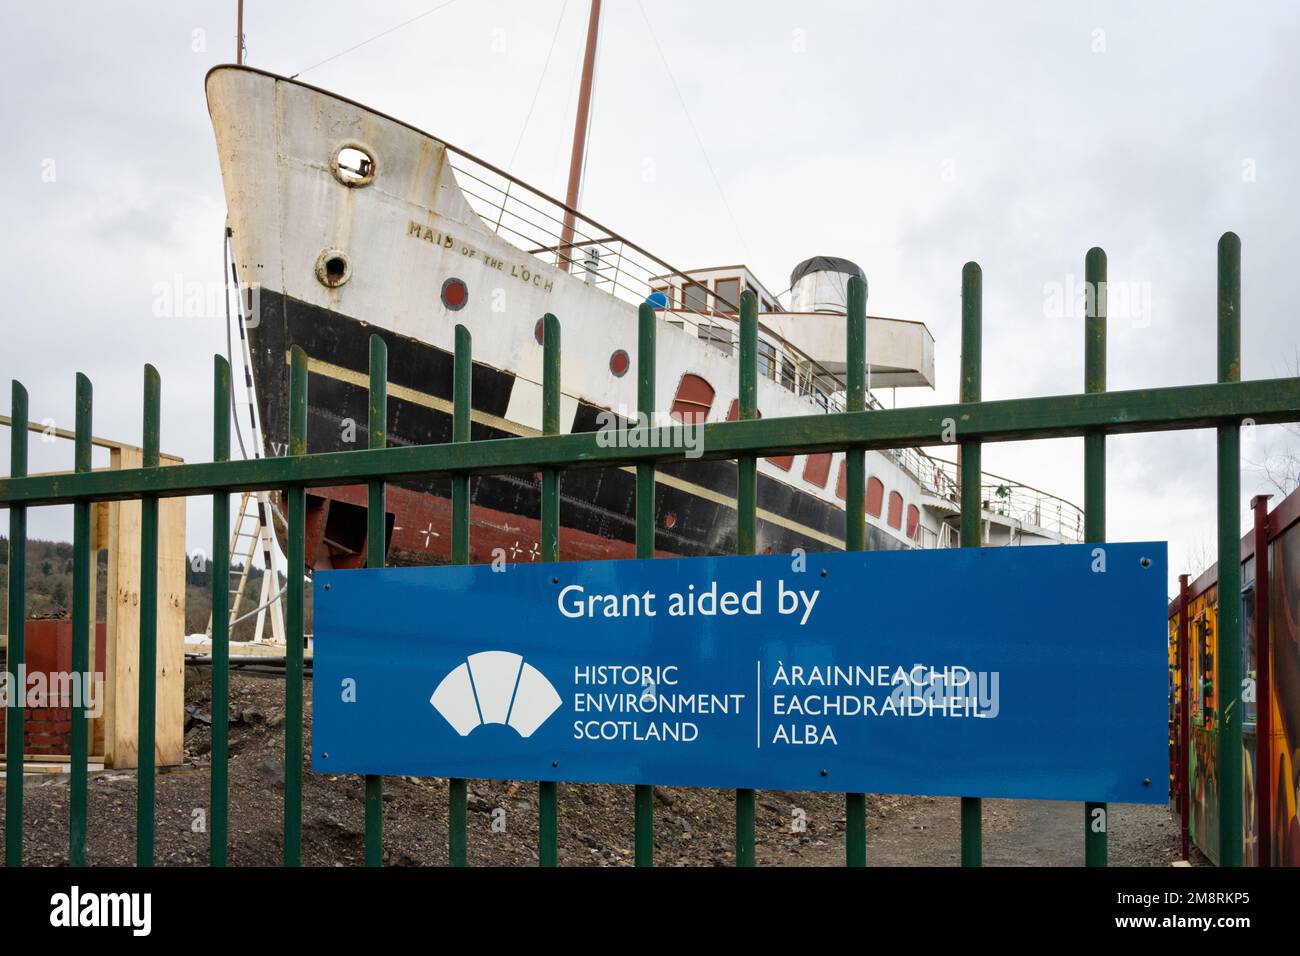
(1275, 455)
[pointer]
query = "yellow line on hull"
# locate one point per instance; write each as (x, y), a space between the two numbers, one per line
(406, 394)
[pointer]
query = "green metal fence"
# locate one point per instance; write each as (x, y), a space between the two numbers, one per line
(1092, 414)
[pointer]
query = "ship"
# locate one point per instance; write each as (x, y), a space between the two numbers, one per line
(345, 223)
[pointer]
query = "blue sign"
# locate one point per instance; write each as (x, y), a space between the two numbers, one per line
(1036, 672)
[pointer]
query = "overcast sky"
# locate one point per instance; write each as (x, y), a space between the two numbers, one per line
(909, 137)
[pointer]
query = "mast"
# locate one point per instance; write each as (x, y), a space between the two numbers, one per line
(239, 34)
(579, 136)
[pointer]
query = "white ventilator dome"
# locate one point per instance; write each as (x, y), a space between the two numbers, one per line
(821, 284)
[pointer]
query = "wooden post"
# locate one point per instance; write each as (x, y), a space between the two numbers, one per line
(121, 647)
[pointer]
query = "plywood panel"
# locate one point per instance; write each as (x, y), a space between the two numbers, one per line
(98, 534)
(122, 648)
(170, 738)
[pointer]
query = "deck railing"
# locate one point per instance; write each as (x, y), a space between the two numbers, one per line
(1093, 415)
(535, 222)
(1027, 506)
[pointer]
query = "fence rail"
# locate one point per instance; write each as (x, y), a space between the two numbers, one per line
(1094, 414)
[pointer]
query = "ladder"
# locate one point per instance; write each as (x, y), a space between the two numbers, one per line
(252, 533)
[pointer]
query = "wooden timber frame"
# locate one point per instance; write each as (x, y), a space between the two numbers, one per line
(1093, 413)
(115, 529)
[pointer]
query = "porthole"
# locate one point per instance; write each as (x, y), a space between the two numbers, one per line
(455, 294)
(354, 165)
(619, 363)
(333, 268)
(539, 331)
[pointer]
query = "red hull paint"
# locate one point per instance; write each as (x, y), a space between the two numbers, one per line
(421, 532)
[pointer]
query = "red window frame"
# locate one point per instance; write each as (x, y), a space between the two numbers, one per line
(895, 510)
(731, 297)
(694, 398)
(817, 469)
(875, 496)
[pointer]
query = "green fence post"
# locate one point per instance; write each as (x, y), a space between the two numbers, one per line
(746, 524)
(645, 544)
(376, 540)
(855, 517)
(295, 636)
(548, 796)
(1228, 679)
(972, 291)
(462, 408)
(219, 584)
(1096, 816)
(147, 676)
(82, 623)
(17, 617)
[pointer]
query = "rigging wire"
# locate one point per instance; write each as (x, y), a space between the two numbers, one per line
(232, 283)
(357, 46)
(537, 92)
(228, 271)
(690, 122)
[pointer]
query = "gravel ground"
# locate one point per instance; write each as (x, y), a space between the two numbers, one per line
(692, 827)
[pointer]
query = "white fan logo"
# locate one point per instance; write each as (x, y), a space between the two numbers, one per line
(495, 687)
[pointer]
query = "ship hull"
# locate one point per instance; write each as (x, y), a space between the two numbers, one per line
(694, 501)
(403, 247)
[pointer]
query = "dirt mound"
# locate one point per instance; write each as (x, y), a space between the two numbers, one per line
(692, 827)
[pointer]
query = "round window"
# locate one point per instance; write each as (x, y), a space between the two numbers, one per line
(354, 165)
(455, 294)
(333, 268)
